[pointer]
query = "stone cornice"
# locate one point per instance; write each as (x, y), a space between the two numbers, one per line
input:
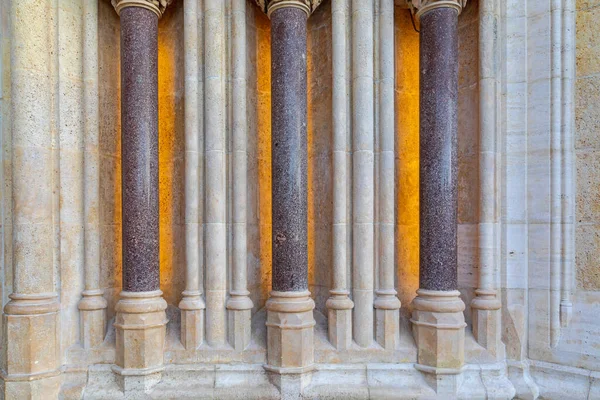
(268, 6)
(423, 6)
(156, 6)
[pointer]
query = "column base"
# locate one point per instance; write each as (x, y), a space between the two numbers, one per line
(387, 319)
(192, 320)
(290, 333)
(92, 310)
(31, 346)
(140, 329)
(439, 331)
(445, 381)
(340, 319)
(239, 317)
(486, 321)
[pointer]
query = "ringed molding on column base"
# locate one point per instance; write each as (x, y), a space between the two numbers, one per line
(192, 319)
(485, 309)
(239, 317)
(140, 326)
(290, 332)
(439, 330)
(31, 338)
(92, 310)
(339, 319)
(387, 319)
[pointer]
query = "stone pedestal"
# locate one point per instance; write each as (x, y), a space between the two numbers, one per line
(140, 328)
(487, 321)
(192, 319)
(387, 315)
(239, 309)
(92, 310)
(290, 325)
(31, 353)
(339, 319)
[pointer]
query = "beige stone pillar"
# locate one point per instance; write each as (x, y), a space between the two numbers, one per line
(31, 330)
(339, 304)
(387, 304)
(192, 304)
(92, 305)
(239, 305)
(486, 305)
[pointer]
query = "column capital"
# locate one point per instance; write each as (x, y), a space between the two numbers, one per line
(156, 6)
(423, 6)
(268, 6)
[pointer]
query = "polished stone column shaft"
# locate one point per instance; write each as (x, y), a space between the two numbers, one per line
(438, 149)
(139, 148)
(438, 320)
(289, 149)
(290, 320)
(141, 320)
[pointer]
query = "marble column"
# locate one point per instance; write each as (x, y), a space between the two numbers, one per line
(141, 320)
(30, 323)
(438, 320)
(290, 321)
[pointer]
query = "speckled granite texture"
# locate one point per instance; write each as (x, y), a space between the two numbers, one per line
(289, 149)
(438, 149)
(139, 149)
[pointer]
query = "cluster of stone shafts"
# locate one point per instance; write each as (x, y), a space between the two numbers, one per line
(438, 320)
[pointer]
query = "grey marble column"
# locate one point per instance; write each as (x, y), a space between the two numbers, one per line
(139, 148)
(438, 165)
(289, 149)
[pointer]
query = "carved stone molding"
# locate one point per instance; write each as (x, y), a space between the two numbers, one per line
(156, 6)
(423, 6)
(268, 6)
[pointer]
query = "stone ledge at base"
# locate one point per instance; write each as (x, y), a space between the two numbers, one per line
(251, 381)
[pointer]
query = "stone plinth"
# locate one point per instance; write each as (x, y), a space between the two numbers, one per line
(140, 327)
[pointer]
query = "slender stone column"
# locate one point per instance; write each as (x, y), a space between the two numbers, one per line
(438, 321)
(92, 305)
(486, 305)
(339, 303)
(239, 304)
(215, 172)
(363, 164)
(30, 337)
(141, 320)
(192, 305)
(387, 304)
(290, 321)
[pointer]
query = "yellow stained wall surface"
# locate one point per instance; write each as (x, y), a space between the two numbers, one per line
(407, 157)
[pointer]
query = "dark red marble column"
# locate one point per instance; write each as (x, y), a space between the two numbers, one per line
(289, 149)
(139, 148)
(438, 152)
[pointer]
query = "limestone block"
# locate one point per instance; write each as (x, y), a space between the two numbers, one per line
(92, 310)
(240, 329)
(192, 320)
(290, 332)
(439, 330)
(140, 339)
(340, 319)
(387, 319)
(486, 321)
